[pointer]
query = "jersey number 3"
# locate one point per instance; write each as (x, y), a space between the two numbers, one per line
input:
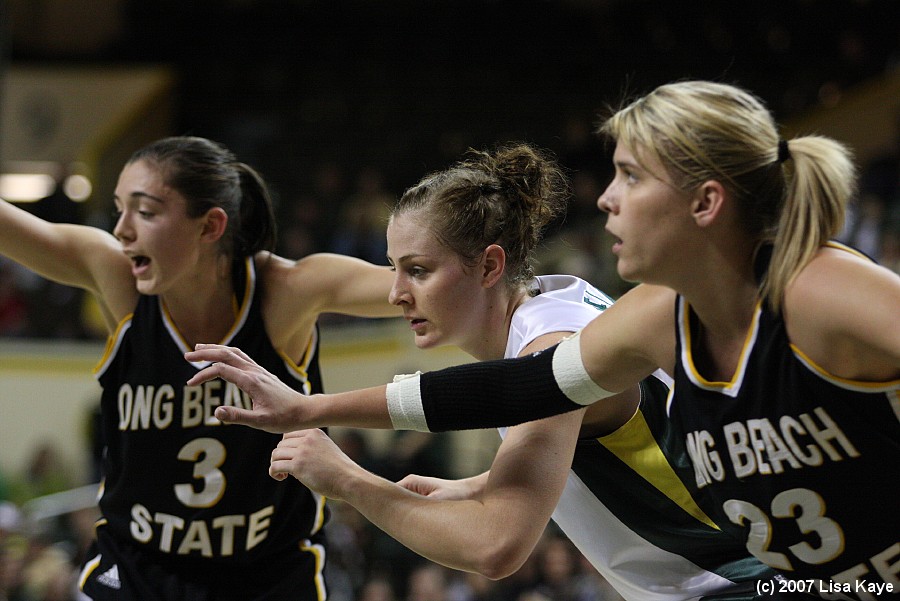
(207, 455)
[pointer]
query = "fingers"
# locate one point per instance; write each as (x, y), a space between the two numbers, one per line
(236, 375)
(235, 415)
(216, 353)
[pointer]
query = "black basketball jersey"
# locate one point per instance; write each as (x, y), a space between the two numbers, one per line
(799, 464)
(178, 484)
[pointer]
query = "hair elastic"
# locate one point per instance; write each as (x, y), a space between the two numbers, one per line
(784, 153)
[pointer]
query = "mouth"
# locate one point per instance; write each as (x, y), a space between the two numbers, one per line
(139, 264)
(617, 242)
(416, 323)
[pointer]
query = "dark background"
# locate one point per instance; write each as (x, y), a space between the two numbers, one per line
(406, 86)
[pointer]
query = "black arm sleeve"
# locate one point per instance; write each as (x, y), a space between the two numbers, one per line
(491, 394)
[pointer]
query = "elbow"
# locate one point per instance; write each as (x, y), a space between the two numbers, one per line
(501, 559)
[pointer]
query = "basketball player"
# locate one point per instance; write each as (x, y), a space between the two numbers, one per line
(187, 510)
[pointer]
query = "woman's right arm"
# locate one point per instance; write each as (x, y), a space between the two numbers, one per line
(74, 255)
(625, 344)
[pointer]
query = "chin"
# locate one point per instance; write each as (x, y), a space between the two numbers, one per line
(146, 287)
(426, 341)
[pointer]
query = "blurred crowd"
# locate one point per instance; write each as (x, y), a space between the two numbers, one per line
(41, 549)
(347, 213)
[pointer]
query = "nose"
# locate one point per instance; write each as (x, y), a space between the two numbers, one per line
(398, 294)
(606, 202)
(122, 230)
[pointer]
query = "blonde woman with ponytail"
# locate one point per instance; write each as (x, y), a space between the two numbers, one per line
(784, 346)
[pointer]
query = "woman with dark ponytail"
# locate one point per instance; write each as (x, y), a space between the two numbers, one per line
(187, 511)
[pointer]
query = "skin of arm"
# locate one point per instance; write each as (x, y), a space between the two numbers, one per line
(487, 524)
(843, 312)
(73, 255)
(297, 292)
(631, 339)
(624, 344)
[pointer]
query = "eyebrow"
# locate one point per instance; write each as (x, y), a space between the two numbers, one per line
(138, 195)
(408, 257)
(622, 164)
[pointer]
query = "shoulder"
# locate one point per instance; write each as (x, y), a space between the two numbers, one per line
(300, 279)
(632, 338)
(841, 311)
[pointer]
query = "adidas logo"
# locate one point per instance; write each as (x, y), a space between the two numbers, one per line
(110, 578)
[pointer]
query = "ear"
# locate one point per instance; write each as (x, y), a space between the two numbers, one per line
(214, 223)
(492, 265)
(708, 202)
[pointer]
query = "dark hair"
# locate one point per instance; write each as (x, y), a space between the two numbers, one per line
(208, 175)
(505, 197)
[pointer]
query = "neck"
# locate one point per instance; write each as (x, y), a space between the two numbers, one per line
(205, 310)
(490, 342)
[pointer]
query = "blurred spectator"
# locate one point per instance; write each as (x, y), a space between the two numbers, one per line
(377, 589)
(890, 248)
(13, 303)
(360, 230)
(422, 453)
(557, 569)
(300, 230)
(329, 193)
(45, 473)
(348, 532)
(428, 582)
(865, 225)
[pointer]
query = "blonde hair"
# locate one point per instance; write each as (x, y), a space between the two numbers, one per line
(701, 131)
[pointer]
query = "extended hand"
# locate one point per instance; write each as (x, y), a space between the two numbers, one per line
(276, 406)
(314, 459)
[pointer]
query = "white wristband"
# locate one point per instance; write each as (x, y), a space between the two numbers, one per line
(571, 376)
(404, 402)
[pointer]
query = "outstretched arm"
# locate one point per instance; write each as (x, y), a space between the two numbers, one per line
(490, 532)
(626, 343)
(277, 407)
(74, 255)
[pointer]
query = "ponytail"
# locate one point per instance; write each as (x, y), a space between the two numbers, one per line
(818, 191)
(256, 223)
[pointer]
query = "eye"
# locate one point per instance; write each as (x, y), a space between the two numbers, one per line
(416, 272)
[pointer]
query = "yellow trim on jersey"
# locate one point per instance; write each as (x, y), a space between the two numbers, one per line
(88, 569)
(318, 552)
(849, 249)
(731, 387)
(319, 521)
(856, 385)
(240, 314)
(634, 444)
(112, 343)
(301, 370)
